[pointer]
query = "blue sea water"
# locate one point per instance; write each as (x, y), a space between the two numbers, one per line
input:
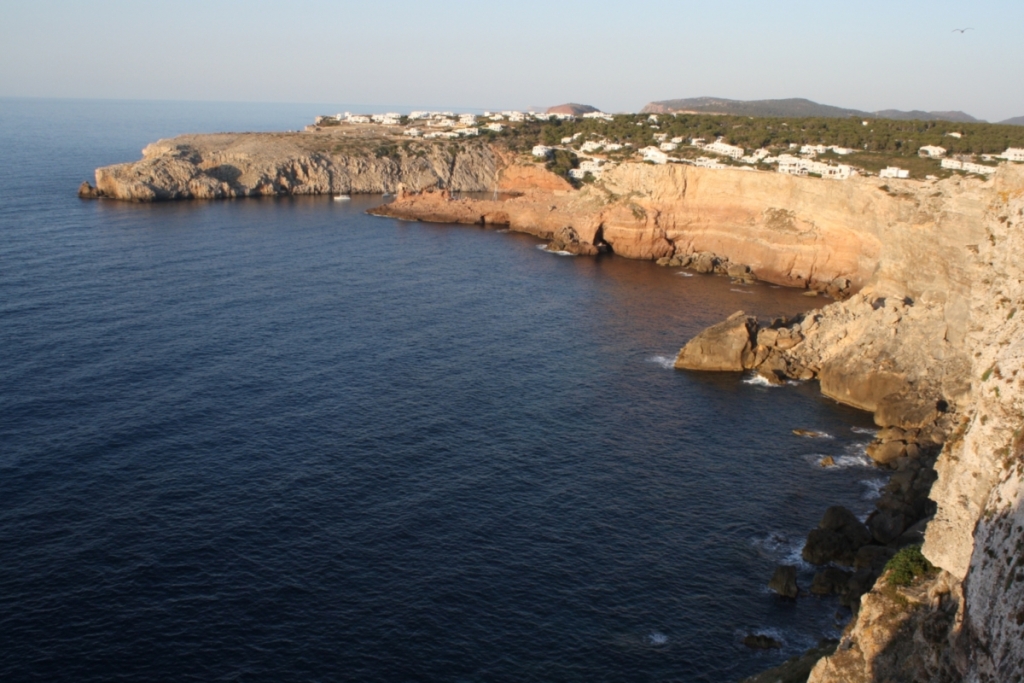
(279, 439)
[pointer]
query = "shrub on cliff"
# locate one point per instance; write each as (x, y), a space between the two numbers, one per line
(907, 565)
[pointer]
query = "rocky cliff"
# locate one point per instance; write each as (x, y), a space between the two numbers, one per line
(227, 165)
(935, 352)
(928, 338)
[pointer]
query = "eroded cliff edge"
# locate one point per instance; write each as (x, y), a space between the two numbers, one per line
(230, 165)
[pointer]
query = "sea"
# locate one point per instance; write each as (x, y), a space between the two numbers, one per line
(282, 440)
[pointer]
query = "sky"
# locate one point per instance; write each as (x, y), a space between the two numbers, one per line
(615, 55)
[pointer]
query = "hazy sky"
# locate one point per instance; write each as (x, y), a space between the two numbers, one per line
(615, 55)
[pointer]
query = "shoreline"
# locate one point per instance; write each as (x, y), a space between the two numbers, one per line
(926, 277)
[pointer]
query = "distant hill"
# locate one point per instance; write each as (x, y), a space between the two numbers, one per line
(572, 108)
(794, 107)
(1015, 121)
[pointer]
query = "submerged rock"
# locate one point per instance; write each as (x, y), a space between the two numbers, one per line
(759, 641)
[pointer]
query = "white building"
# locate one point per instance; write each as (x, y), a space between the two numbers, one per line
(413, 132)
(727, 150)
(842, 151)
(707, 162)
(932, 151)
(496, 127)
(655, 155)
(967, 167)
(543, 151)
(955, 135)
(591, 145)
(591, 166)
(893, 172)
(1013, 154)
(653, 118)
(668, 146)
(798, 166)
(660, 137)
(813, 149)
(612, 147)
(599, 115)
(358, 119)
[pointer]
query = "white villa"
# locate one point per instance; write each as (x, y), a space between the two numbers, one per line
(543, 151)
(893, 172)
(792, 165)
(813, 149)
(1013, 154)
(932, 151)
(669, 146)
(413, 132)
(655, 155)
(727, 150)
(967, 167)
(600, 115)
(591, 166)
(496, 127)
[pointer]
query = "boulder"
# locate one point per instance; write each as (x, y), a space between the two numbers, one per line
(784, 581)
(704, 262)
(837, 539)
(873, 557)
(886, 452)
(567, 239)
(830, 580)
(87, 191)
(887, 525)
(726, 346)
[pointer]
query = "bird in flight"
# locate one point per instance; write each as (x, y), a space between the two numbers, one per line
(962, 30)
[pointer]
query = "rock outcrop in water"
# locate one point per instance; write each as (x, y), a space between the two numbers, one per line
(229, 165)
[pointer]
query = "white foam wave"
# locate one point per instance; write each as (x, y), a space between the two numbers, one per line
(544, 247)
(502, 230)
(664, 361)
(741, 291)
(759, 381)
(864, 430)
(873, 488)
(684, 273)
(782, 549)
(839, 462)
(657, 638)
(811, 434)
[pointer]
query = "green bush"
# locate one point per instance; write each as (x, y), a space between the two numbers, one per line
(907, 565)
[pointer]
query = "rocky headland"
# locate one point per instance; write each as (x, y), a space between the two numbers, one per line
(924, 331)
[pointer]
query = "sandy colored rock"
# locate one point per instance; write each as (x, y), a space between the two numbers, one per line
(723, 347)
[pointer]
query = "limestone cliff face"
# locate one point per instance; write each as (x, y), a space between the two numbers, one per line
(970, 626)
(231, 165)
(788, 230)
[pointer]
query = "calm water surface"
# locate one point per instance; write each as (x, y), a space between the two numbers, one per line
(270, 440)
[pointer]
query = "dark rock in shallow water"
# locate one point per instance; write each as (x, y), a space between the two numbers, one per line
(830, 580)
(759, 641)
(784, 581)
(837, 539)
